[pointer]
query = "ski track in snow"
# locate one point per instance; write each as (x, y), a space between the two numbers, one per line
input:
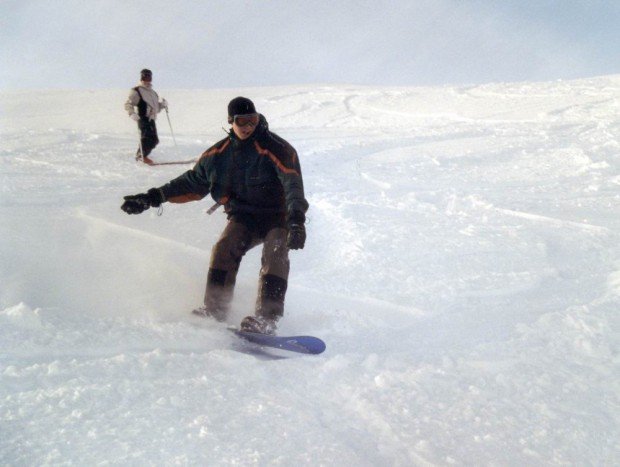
(462, 266)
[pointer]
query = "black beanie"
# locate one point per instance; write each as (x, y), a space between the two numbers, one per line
(240, 106)
(145, 73)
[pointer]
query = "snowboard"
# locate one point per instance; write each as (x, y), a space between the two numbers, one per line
(300, 344)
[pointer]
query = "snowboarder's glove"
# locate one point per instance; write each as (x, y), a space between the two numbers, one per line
(135, 117)
(296, 231)
(136, 204)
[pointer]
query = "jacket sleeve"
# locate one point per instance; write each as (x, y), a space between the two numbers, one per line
(193, 185)
(293, 184)
(288, 169)
(131, 102)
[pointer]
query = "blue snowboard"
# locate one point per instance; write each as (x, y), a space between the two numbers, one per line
(300, 344)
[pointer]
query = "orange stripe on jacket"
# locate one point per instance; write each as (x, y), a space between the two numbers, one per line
(185, 198)
(274, 159)
(214, 151)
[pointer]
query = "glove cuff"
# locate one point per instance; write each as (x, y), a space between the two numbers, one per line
(156, 197)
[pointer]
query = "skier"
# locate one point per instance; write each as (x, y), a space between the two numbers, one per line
(256, 176)
(146, 101)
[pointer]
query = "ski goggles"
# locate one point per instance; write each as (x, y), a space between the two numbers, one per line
(247, 119)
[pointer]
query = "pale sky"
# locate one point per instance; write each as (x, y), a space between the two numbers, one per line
(234, 43)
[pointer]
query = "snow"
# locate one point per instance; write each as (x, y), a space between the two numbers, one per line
(462, 265)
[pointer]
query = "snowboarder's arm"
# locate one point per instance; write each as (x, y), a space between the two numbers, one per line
(296, 204)
(193, 185)
(286, 163)
(187, 187)
(288, 169)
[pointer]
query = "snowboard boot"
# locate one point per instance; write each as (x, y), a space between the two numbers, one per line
(204, 312)
(259, 324)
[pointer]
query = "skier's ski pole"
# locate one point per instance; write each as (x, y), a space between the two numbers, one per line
(171, 131)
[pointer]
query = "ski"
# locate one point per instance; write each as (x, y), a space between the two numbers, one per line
(300, 344)
(189, 161)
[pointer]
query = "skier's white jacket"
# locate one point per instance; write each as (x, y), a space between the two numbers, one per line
(153, 106)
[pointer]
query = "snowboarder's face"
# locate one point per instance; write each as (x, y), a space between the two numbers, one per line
(244, 125)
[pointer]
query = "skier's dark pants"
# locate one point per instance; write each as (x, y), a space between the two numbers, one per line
(242, 233)
(148, 136)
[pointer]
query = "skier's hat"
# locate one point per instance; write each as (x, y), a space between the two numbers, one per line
(240, 106)
(146, 73)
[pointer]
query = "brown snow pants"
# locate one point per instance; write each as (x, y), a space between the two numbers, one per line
(242, 233)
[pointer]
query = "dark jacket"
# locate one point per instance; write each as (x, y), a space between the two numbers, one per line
(260, 175)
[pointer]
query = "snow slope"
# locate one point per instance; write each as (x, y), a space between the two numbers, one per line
(462, 264)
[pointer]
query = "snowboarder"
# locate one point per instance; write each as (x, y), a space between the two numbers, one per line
(256, 176)
(144, 98)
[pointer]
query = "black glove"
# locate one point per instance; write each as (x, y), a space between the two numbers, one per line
(136, 204)
(296, 231)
